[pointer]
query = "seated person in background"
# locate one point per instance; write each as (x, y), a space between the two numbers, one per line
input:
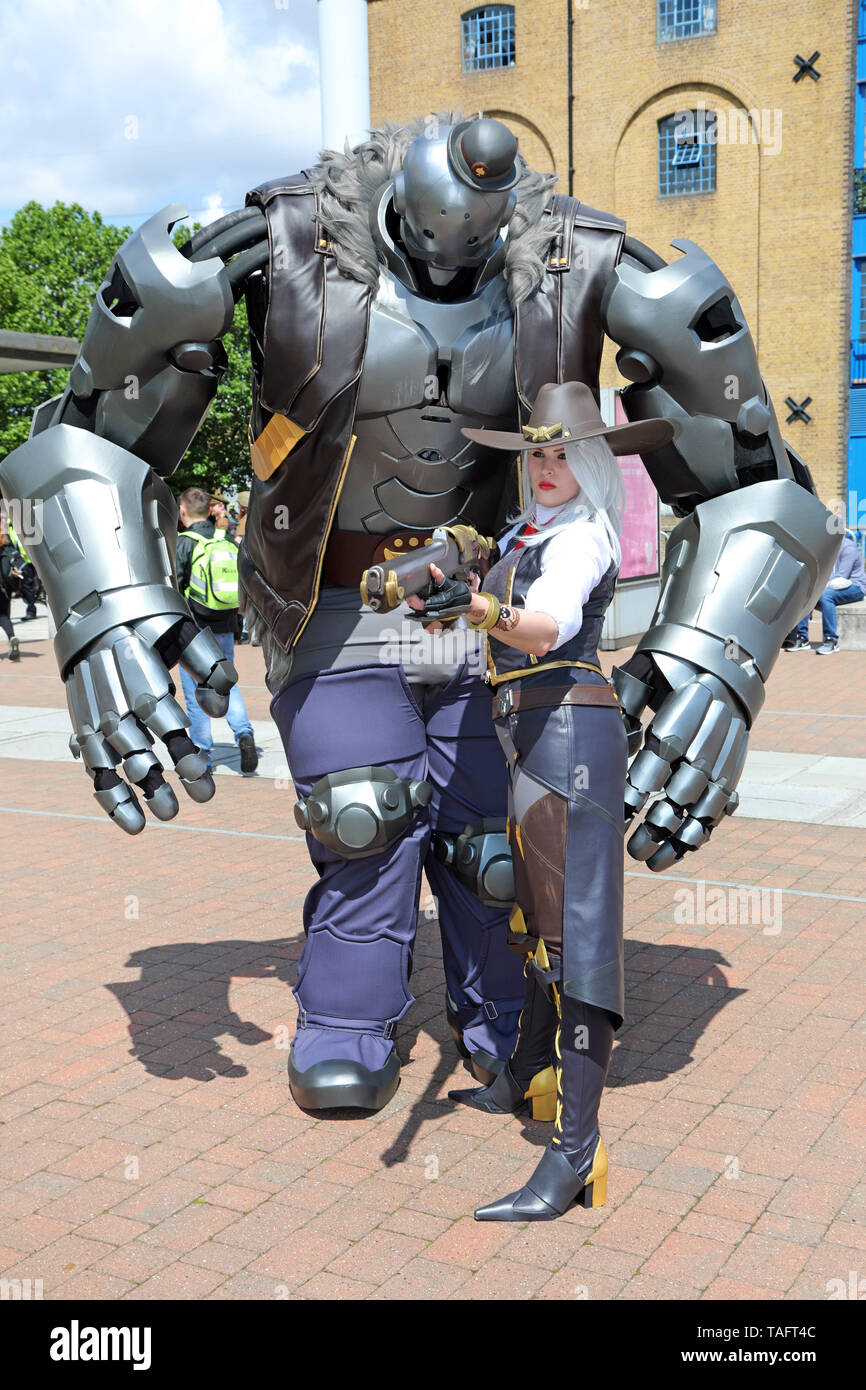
(847, 584)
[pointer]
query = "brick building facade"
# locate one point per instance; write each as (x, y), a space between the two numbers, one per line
(777, 221)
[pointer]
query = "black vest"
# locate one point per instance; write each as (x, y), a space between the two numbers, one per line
(509, 580)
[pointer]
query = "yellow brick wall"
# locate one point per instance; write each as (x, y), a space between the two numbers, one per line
(778, 223)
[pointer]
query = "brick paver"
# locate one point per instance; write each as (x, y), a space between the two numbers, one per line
(149, 1147)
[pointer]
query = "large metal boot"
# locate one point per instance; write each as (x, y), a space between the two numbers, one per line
(336, 1084)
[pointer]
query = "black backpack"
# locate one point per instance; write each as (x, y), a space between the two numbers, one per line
(10, 573)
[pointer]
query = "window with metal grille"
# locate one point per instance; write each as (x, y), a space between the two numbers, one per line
(684, 19)
(687, 153)
(860, 269)
(488, 38)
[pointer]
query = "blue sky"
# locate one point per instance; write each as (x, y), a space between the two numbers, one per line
(126, 105)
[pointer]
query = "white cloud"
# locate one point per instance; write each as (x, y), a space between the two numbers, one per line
(126, 105)
(212, 211)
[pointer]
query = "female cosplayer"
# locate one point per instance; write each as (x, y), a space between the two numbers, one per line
(558, 720)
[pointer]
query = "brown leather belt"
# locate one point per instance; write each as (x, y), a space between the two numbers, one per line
(510, 701)
(349, 553)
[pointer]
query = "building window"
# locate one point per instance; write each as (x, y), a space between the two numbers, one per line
(861, 269)
(684, 19)
(488, 38)
(687, 153)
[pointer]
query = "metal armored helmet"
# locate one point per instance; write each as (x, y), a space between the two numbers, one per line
(454, 195)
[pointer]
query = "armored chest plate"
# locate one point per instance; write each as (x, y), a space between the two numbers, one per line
(429, 370)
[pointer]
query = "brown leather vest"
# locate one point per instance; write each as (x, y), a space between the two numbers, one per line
(314, 339)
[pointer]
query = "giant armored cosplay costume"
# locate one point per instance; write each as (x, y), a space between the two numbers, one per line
(396, 294)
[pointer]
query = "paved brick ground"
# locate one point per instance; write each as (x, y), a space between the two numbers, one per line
(149, 1147)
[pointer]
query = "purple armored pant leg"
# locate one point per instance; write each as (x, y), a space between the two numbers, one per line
(470, 780)
(360, 915)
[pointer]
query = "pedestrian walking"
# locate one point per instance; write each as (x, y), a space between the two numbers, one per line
(207, 575)
(28, 578)
(10, 586)
(218, 512)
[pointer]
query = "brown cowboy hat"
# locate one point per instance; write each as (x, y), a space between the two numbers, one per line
(567, 412)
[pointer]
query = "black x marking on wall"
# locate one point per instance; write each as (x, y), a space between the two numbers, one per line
(798, 412)
(807, 65)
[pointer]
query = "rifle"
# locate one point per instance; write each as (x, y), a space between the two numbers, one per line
(452, 548)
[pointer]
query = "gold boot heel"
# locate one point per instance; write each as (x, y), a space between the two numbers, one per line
(594, 1191)
(542, 1095)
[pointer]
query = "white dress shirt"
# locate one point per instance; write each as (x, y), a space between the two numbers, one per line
(572, 563)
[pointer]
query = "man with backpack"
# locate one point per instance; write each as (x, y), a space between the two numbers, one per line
(10, 585)
(207, 575)
(27, 589)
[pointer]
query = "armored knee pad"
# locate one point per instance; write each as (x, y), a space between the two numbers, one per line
(480, 858)
(362, 810)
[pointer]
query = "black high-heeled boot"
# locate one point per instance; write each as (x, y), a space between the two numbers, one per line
(528, 1079)
(573, 1167)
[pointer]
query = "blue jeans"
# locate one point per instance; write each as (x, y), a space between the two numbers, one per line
(238, 720)
(826, 606)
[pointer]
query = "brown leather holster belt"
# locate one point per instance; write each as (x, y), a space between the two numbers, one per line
(511, 701)
(349, 553)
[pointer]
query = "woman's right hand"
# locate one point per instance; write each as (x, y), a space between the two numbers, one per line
(445, 599)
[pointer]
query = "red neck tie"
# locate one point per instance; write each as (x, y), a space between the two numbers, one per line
(530, 530)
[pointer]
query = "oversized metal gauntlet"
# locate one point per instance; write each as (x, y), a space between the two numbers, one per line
(739, 573)
(100, 523)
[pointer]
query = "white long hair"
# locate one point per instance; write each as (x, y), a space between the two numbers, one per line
(601, 497)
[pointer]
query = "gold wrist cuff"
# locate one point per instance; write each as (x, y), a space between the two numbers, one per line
(492, 617)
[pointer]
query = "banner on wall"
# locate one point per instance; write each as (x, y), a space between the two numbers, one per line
(640, 523)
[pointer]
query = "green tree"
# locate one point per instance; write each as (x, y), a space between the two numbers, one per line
(52, 262)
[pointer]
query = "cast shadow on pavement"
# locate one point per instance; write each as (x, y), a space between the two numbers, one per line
(179, 1007)
(179, 1010)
